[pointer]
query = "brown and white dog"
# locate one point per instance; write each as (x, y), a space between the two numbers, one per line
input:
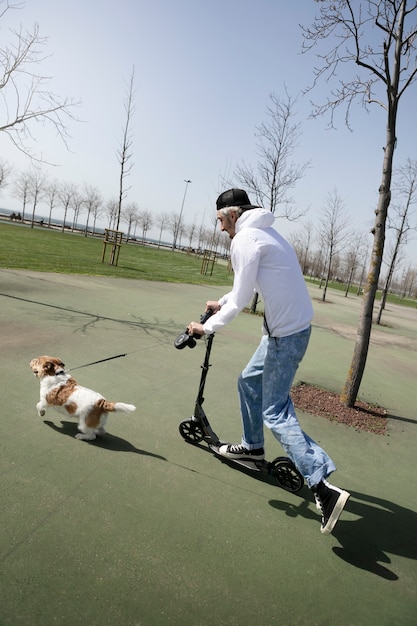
(61, 391)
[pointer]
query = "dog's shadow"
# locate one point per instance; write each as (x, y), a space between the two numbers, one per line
(106, 442)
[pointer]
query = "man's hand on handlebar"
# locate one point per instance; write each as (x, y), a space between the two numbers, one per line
(213, 305)
(195, 329)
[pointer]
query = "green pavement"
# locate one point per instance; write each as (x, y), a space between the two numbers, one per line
(141, 528)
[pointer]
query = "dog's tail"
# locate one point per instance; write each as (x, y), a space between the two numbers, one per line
(125, 408)
(116, 406)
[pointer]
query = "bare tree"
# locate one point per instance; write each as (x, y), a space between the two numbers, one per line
(363, 271)
(130, 215)
(36, 190)
(92, 203)
(406, 188)
(333, 231)
(174, 225)
(145, 221)
(124, 154)
(409, 283)
(162, 220)
(353, 257)
(275, 174)
(179, 232)
(76, 204)
(96, 211)
(378, 39)
(21, 188)
(5, 171)
(25, 91)
(301, 241)
(190, 230)
(66, 194)
(51, 196)
(201, 237)
(319, 261)
(111, 210)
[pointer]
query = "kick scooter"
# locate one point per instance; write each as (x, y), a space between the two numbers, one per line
(197, 428)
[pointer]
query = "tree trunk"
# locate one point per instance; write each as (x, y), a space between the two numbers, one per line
(392, 267)
(326, 282)
(349, 282)
(357, 367)
(254, 302)
(358, 293)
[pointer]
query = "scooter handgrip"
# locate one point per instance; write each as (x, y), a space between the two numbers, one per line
(206, 316)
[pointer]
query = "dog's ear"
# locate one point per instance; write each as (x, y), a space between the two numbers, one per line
(49, 367)
(58, 366)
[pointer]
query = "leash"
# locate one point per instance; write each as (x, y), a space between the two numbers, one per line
(117, 356)
(110, 358)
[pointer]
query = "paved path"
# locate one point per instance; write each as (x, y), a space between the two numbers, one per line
(141, 528)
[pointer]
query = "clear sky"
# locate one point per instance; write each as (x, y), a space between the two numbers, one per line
(204, 70)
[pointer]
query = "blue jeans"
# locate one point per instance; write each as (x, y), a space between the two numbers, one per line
(264, 395)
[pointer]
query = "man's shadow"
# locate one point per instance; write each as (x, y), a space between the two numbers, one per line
(382, 527)
(107, 441)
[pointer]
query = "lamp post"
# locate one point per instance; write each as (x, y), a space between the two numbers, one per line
(177, 230)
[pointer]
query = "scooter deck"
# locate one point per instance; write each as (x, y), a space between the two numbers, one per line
(254, 466)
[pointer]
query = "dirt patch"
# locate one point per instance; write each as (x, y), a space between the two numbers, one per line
(324, 403)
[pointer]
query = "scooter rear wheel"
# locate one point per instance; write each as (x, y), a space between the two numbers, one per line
(286, 474)
(191, 431)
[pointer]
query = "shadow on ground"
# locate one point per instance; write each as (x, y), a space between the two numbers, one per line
(108, 442)
(381, 527)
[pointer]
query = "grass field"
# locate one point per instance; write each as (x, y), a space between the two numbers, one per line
(44, 250)
(22, 247)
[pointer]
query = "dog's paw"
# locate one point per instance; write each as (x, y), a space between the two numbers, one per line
(41, 412)
(84, 437)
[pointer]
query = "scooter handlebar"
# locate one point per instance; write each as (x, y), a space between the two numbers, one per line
(206, 315)
(185, 339)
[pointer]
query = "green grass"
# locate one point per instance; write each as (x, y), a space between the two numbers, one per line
(353, 289)
(43, 250)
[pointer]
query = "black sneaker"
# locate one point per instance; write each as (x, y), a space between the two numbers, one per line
(239, 452)
(330, 500)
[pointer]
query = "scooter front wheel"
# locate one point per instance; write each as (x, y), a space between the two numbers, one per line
(286, 474)
(191, 431)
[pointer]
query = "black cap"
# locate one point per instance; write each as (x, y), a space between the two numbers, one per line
(234, 197)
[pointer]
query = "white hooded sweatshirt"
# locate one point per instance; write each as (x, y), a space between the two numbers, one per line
(264, 261)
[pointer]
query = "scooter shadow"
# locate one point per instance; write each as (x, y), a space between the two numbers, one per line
(261, 476)
(106, 442)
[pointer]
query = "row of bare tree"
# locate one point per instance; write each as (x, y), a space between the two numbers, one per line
(189, 236)
(332, 251)
(337, 241)
(32, 189)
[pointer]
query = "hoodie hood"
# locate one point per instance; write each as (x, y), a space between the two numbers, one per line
(255, 218)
